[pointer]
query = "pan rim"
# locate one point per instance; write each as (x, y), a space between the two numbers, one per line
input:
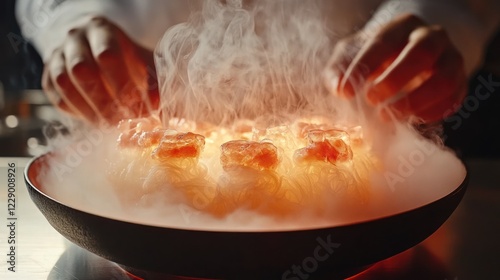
(29, 183)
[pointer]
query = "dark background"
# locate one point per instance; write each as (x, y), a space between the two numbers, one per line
(475, 132)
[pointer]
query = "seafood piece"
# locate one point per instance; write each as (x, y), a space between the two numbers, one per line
(327, 146)
(251, 154)
(302, 129)
(166, 143)
(180, 145)
(138, 124)
(133, 130)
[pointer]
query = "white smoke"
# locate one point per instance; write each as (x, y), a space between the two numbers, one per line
(258, 60)
(231, 61)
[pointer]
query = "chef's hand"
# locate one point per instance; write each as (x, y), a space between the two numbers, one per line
(100, 74)
(410, 66)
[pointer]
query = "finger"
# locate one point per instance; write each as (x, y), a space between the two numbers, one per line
(54, 96)
(145, 91)
(123, 68)
(444, 108)
(417, 58)
(381, 49)
(343, 54)
(84, 74)
(105, 47)
(443, 87)
(63, 86)
(49, 88)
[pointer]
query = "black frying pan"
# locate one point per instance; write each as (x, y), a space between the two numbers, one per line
(336, 251)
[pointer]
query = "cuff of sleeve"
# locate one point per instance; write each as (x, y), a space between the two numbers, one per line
(47, 27)
(144, 22)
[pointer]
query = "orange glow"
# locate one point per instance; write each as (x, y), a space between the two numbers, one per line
(219, 170)
(328, 146)
(242, 153)
(182, 145)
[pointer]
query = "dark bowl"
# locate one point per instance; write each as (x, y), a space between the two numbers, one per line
(335, 251)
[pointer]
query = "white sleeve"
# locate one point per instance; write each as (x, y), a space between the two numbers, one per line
(46, 22)
(469, 23)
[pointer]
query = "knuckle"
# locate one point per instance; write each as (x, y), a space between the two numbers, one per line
(419, 34)
(73, 32)
(343, 44)
(379, 41)
(343, 54)
(438, 30)
(55, 54)
(429, 41)
(411, 19)
(99, 21)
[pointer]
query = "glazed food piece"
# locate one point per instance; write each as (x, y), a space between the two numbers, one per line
(180, 145)
(134, 129)
(326, 146)
(250, 154)
(302, 128)
(166, 143)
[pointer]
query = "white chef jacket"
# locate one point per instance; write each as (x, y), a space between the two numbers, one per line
(470, 23)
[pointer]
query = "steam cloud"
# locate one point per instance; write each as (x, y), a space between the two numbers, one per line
(257, 60)
(231, 61)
